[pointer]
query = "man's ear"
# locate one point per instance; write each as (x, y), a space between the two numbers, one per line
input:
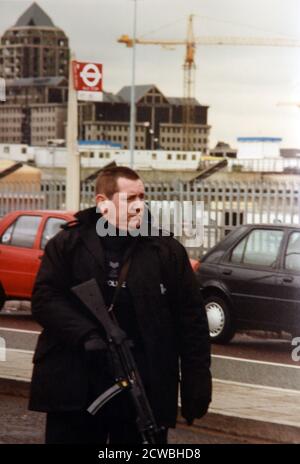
(101, 200)
(100, 197)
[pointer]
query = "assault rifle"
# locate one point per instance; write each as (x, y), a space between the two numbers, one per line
(125, 371)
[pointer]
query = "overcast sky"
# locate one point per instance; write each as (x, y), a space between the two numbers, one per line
(241, 85)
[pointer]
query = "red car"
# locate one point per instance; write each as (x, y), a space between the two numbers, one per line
(23, 237)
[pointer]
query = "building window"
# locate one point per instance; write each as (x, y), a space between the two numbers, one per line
(169, 156)
(154, 156)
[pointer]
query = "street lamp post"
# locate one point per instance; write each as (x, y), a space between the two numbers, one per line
(52, 153)
(132, 99)
(151, 132)
(153, 140)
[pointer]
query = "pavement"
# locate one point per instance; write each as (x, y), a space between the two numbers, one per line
(252, 398)
(20, 426)
(271, 412)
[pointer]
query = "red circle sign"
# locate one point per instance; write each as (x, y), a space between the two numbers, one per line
(87, 76)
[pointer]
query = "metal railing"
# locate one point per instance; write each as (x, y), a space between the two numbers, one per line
(272, 165)
(226, 204)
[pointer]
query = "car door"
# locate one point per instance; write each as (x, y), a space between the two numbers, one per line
(289, 282)
(20, 255)
(249, 273)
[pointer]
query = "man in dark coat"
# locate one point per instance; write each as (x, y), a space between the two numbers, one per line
(159, 307)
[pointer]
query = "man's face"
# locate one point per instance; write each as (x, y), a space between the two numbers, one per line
(126, 207)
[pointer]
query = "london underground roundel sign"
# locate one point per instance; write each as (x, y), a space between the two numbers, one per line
(87, 76)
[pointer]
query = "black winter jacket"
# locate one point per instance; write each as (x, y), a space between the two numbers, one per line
(173, 325)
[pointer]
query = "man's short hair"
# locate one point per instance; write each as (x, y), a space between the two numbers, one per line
(106, 182)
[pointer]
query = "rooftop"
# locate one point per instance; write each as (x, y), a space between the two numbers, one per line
(124, 95)
(54, 81)
(34, 16)
(259, 139)
(140, 91)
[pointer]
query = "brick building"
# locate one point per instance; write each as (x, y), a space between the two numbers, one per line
(34, 47)
(34, 57)
(159, 120)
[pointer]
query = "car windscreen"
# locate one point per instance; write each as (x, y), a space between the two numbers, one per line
(292, 254)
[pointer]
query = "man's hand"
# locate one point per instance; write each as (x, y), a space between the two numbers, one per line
(94, 343)
(198, 410)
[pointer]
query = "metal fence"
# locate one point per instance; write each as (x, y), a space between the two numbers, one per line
(271, 165)
(226, 204)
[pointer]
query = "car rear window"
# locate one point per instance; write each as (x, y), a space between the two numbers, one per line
(292, 255)
(52, 226)
(260, 247)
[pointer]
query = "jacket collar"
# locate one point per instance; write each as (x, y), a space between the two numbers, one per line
(88, 218)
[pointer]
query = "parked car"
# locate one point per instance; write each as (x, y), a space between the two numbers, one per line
(251, 280)
(23, 237)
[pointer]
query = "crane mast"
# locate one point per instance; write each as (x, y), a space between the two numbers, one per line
(189, 74)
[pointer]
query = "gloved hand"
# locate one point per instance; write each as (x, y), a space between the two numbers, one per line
(94, 343)
(96, 360)
(194, 410)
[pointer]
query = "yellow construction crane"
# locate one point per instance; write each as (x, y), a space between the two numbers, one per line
(189, 65)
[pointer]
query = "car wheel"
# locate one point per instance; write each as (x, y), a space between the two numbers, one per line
(221, 327)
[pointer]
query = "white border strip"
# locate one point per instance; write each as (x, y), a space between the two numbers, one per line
(254, 385)
(8, 329)
(255, 361)
(17, 350)
(18, 379)
(283, 422)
